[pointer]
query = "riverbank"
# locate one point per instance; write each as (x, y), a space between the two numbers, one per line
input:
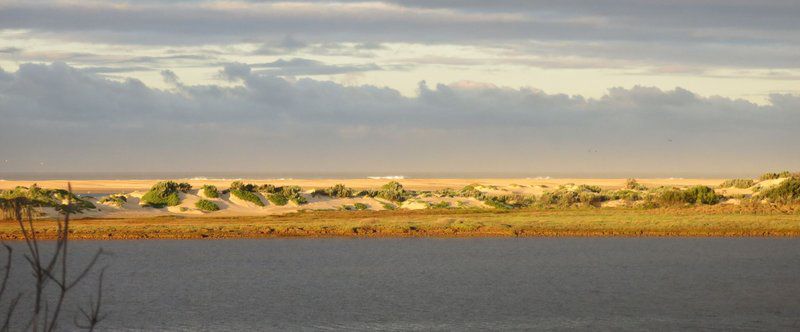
(689, 222)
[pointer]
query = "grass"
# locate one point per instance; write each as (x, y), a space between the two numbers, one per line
(247, 196)
(206, 205)
(698, 221)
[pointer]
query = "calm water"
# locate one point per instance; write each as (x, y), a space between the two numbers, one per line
(449, 284)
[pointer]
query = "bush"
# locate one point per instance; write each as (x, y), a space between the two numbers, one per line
(337, 191)
(299, 200)
(787, 191)
(238, 185)
(116, 200)
(389, 206)
(206, 205)
(210, 191)
(773, 176)
(393, 191)
(471, 191)
(440, 205)
(702, 195)
(247, 196)
(625, 194)
(737, 183)
(164, 193)
(693, 195)
(277, 199)
(360, 206)
(632, 184)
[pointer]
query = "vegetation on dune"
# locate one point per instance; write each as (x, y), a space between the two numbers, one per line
(337, 191)
(283, 195)
(693, 195)
(388, 206)
(778, 175)
(393, 191)
(277, 199)
(247, 196)
(360, 206)
(439, 205)
(737, 183)
(206, 205)
(786, 192)
(117, 200)
(34, 196)
(238, 185)
(210, 191)
(164, 193)
(632, 184)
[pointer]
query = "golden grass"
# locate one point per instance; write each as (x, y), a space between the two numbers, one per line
(718, 221)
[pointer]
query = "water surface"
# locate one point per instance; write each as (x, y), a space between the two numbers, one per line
(449, 284)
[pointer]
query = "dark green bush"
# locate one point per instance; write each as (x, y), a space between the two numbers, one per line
(737, 183)
(440, 205)
(360, 206)
(210, 191)
(787, 191)
(393, 191)
(247, 196)
(277, 199)
(632, 184)
(164, 193)
(206, 205)
(117, 200)
(702, 195)
(337, 191)
(625, 194)
(238, 185)
(389, 206)
(773, 176)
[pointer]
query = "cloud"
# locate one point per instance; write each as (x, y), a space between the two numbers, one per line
(307, 67)
(79, 121)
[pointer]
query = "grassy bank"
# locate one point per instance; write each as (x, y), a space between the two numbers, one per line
(439, 223)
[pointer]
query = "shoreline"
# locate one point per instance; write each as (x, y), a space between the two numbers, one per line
(435, 224)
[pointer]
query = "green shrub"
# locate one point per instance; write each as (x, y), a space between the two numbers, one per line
(206, 205)
(787, 191)
(393, 191)
(625, 194)
(277, 199)
(299, 200)
(440, 205)
(737, 183)
(238, 185)
(594, 189)
(210, 191)
(389, 206)
(673, 197)
(471, 191)
(267, 188)
(632, 184)
(360, 206)
(702, 195)
(117, 200)
(340, 191)
(773, 176)
(164, 193)
(247, 196)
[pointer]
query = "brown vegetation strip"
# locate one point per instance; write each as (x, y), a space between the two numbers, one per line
(722, 222)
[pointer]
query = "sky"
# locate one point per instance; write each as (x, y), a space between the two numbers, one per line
(602, 86)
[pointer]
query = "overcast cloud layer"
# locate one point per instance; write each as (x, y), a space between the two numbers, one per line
(58, 114)
(523, 86)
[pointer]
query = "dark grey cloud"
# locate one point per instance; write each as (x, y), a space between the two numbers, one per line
(705, 32)
(76, 120)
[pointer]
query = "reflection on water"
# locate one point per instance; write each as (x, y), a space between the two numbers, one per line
(451, 284)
